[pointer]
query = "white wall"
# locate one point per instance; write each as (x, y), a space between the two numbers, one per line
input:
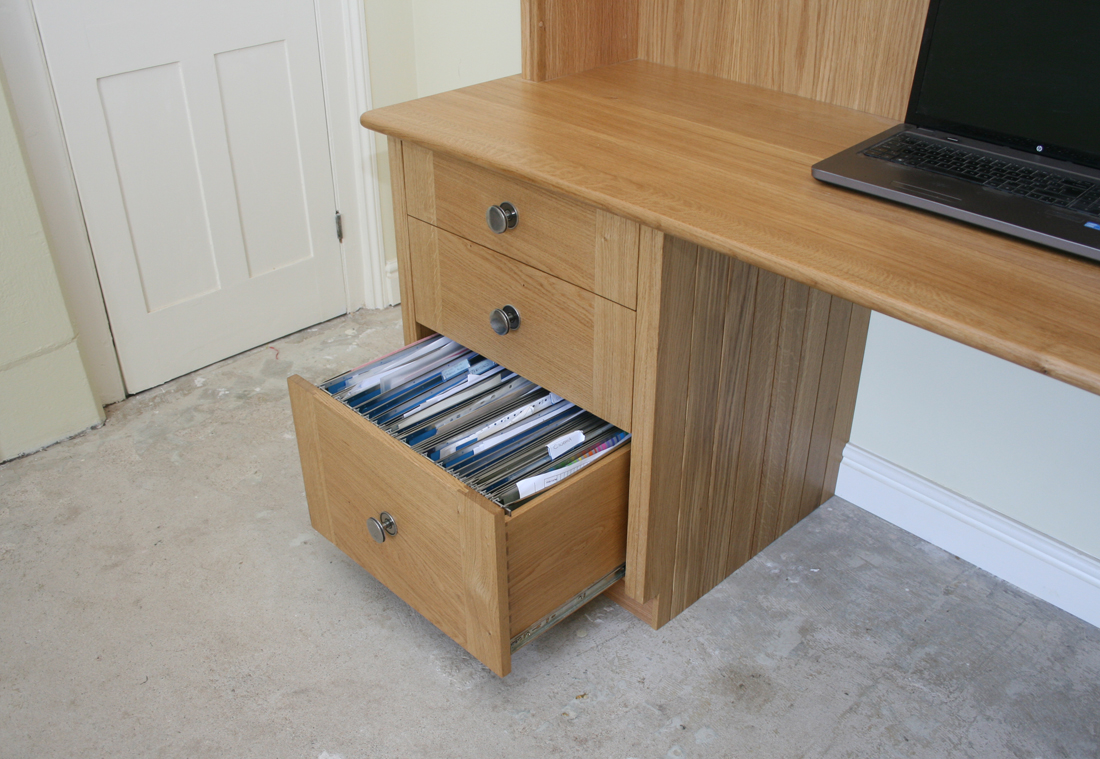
(1013, 440)
(44, 390)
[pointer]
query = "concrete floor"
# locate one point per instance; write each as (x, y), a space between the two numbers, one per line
(162, 594)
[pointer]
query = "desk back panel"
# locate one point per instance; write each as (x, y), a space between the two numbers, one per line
(853, 53)
(562, 37)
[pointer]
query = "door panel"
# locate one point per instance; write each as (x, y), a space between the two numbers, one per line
(199, 142)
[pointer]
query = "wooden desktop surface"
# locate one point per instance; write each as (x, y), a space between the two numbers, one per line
(727, 166)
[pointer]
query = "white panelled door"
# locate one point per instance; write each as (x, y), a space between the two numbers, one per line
(198, 138)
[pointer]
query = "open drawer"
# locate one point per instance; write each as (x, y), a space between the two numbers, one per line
(489, 580)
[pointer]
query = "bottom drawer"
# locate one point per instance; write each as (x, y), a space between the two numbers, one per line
(489, 580)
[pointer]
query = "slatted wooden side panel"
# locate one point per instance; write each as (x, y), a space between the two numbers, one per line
(562, 37)
(770, 370)
(857, 53)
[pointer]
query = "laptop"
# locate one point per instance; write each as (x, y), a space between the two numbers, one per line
(1003, 124)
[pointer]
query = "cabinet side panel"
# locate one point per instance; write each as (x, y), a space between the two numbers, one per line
(729, 420)
(792, 329)
(562, 37)
(484, 576)
(789, 507)
(761, 401)
(703, 377)
(309, 450)
(853, 53)
(760, 393)
(846, 395)
(828, 395)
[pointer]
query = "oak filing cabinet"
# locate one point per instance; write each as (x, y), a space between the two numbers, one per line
(581, 279)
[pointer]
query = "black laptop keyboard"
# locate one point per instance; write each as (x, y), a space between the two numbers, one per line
(1017, 178)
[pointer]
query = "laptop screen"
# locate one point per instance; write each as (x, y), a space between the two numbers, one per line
(1020, 73)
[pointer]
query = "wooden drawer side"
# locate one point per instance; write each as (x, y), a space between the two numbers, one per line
(567, 540)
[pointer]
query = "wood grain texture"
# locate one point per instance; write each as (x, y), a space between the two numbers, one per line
(767, 364)
(700, 383)
(727, 166)
(846, 396)
(792, 329)
(613, 361)
(563, 542)
(828, 397)
(570, 240)
(423, 273)
(309, 451)
(853, 53)
(570, 340)
(789, 507)
(562, 37)
(479, 576)
(767, 317)
(646, 612)
(484, 574)
(419, 166)
(732, 408)
(366, 472)
(666, 296)
(401, 231)
(616, 276)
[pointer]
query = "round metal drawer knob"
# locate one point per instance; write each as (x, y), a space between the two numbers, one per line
(502, 218)
(381, 527)
(504, 320)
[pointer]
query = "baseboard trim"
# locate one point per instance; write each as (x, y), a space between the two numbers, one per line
(1041, 565)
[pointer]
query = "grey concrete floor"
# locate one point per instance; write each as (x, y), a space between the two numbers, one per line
(162, 594)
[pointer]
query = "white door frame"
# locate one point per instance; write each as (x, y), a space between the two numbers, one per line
(342, 41)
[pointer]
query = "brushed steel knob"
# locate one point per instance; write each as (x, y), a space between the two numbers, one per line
(504, 320)
(374, 527)
(381, 527)
(502, 218)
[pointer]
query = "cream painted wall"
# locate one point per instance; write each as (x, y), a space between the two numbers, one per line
(1011, 439)
(459, 44)
(1014, 440)
(44, 390)
(421, 47)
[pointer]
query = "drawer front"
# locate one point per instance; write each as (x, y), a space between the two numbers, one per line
(573, 241)
(357, 473)
(571, 341)
(480, 576)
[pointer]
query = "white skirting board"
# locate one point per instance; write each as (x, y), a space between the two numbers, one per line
(1043, 566)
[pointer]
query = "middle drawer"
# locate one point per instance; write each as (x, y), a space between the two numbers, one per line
(570, 340)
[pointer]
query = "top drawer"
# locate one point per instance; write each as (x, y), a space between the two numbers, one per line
(581, 244)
